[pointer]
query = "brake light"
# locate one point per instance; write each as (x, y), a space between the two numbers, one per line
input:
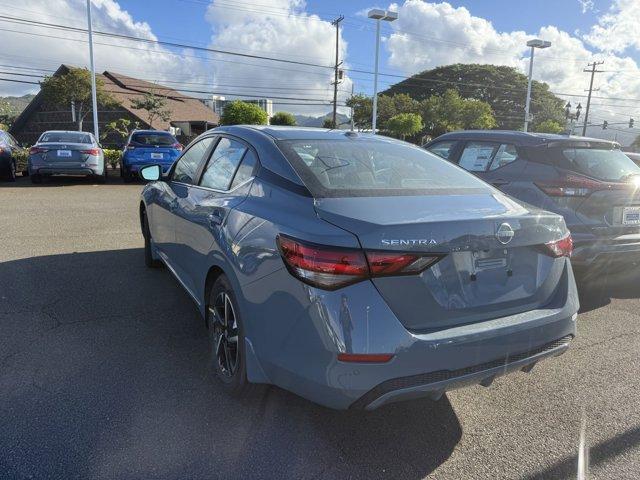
(177, 146)
(560, 248)
(36, 150)
(577, 186)
(331, 268)
(91, 151)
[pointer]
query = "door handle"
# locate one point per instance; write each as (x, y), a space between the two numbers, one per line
(216, 217)
(499, 183)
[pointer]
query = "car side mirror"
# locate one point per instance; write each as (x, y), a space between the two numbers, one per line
(151, 173)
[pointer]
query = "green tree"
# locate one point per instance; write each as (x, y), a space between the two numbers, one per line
(328, 123)
(405, 124)
(75, 87)
(449, 111)
(283, 118)
(120, 128)
(548, 126)
(243, 113)
(503, 88)
(155, 106)
(362, 108)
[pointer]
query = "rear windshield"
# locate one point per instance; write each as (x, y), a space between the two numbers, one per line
(355, 167)
(153, 139)
(66, 137)
(604, 164)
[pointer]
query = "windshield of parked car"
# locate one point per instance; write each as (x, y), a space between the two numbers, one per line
(65, 137)
(603, 164)
(153, 139)
(346, 168)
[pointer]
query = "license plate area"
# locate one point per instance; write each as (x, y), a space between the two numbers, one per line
(64, 153)
(489, 260)
(156, 156)
(630, 215)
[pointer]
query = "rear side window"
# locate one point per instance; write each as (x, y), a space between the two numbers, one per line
(442, 149)
(187, 165)
(222, 164)
(246, 169)
(483, 156)
(65, 137)
(365, 167)
(477, 156)
(153, 139)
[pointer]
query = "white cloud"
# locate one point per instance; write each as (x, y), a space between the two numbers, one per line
(586, 5)
(618, 28)
(283, 30)
(44, 52)
(455, 35)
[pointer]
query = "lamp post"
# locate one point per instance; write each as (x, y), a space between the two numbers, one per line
(387, 16)
(94, 96)
(572, 117)
(536, 43)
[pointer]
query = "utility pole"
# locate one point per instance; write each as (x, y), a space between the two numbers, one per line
(593, 72)
(94, 96)
(336, 22)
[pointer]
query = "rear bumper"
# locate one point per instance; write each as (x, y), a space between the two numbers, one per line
(66, 171)
(623, 249)
(434, 384)
(135, 167)
(356, 319)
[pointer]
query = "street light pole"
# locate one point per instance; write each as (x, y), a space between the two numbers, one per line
(378, 15)
(94, 95)
(536, 43)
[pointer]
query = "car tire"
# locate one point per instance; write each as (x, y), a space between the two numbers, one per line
(149, 261)
(25, 173)
(36, 178)
(127, 175)
(226, 341)
(102, 179)
(12, 171)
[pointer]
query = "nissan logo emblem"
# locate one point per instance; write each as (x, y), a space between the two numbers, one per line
(505, 233)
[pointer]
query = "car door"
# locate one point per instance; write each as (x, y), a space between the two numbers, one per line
(201, 226)
(494, 162)
(162, 213)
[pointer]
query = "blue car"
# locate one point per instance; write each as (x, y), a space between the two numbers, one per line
(146, 147)
(589, 181)
(356, 270)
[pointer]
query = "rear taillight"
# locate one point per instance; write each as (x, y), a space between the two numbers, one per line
(560, 248)
(36, 150)
(91, 151)
(577, 186)
(177, 146)
(335, 267)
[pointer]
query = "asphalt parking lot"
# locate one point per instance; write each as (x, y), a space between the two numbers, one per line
(103, 375)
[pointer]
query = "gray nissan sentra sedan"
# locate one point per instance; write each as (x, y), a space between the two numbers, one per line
(356, 270)
(66, 153)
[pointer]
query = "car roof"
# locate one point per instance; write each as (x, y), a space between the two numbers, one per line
(152, 131)
(66, 131)
(516, 137)
(277, 132)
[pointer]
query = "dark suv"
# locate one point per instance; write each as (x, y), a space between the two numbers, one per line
(589, 181)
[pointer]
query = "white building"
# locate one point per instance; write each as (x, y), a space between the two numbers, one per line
(218, 103)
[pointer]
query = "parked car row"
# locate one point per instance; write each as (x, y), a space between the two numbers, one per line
(356, 270)
(72, 153)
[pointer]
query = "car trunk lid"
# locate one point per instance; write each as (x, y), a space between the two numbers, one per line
(65, 153)
(492, 262)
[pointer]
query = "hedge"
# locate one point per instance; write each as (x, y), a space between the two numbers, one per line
(112, 157)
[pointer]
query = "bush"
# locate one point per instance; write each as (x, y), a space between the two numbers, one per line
(21, 157)
(112, 157)
(283, 118)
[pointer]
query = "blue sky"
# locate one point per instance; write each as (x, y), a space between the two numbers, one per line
(426, 35)
(187, 22)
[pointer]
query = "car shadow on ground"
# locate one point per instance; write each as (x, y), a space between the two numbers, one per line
(103, 373)
(597, 290)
